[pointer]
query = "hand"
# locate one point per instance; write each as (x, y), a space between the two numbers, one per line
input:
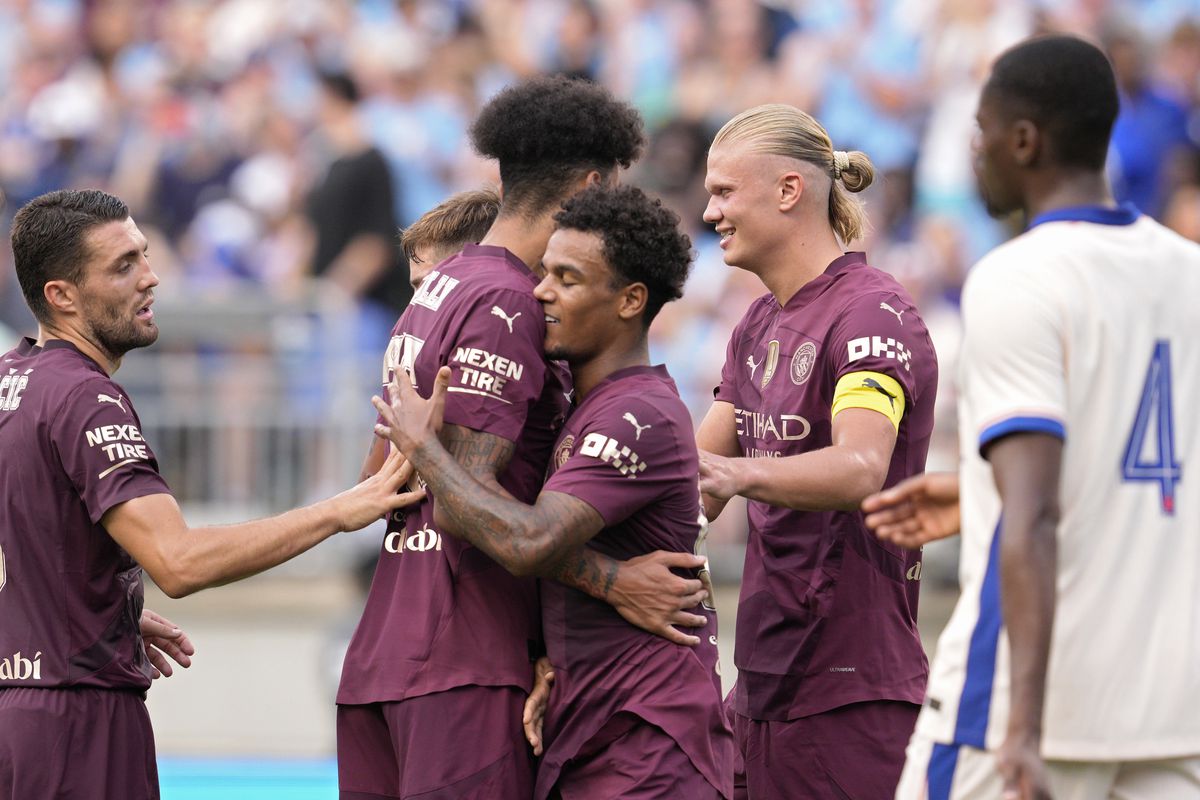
(160, 636)
(377, 496)
(410, 419)
(535, 704)
(718, 477)
(1020, 765)
(647, 594)
(915, 511)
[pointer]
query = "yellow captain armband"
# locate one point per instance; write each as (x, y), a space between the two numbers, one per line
(872, 390)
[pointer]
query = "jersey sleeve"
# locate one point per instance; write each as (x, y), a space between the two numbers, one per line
(497, 362)
(873, 346)
(1012, 356)
(624, 458)
(99, 441)
(726, 390)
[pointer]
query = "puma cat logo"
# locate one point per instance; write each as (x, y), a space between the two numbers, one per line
(497, 311)
(632, 420)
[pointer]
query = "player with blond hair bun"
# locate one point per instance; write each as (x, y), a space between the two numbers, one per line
(826, 396)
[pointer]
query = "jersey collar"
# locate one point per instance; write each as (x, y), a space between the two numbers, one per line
(1124, 214)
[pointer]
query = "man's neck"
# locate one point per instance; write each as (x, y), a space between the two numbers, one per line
(524, 238)
(1068, 190)
(587, 376)
(48, 331)
(803, 259)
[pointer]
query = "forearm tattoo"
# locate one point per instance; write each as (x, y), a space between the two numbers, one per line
(588, 571)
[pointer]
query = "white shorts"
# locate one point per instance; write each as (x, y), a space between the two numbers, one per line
(958, 772)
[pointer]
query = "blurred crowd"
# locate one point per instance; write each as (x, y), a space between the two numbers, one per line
(264, 143)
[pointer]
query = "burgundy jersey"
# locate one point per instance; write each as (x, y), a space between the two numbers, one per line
(440, 613)
(71, 448)
(629, 452)
(828, 613)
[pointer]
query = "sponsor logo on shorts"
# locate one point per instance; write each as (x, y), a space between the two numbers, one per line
(803, 361)
(782, 427)
(434, 290)
(610, 451)
(422, 540)
(878, 346)
(11, 386)
(19, 668)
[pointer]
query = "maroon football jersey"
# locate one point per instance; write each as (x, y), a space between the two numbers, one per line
(828, 613)
(440, 613)
(71, 448)
(630, 453)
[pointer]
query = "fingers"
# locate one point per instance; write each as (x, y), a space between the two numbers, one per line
(406, 499)
(158, 662)
(677, 637)
(682, 560)
(437, 398)
(385, 411)
(691, 601)
(154, 625)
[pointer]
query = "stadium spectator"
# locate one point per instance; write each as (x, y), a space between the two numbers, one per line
(826, 395)
(630, 715)
(84, 510)
(1048, 681)
(447, 633)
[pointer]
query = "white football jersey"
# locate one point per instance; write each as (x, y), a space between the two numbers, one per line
(1086, 327)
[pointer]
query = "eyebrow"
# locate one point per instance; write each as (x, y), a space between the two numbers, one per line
(132, 252)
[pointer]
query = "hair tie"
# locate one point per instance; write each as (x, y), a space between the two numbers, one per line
(841, 162)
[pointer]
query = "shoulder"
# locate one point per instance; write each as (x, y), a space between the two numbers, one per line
(645, 410)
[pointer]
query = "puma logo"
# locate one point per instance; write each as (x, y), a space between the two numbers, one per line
(632, 420)
(118, 400)
(871, 383)
(497, 311)
(750, 363)
(886, 307)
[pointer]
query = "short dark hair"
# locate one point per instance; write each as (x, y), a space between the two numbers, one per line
(341, 85)
(546, 131)
(464, 218)
(49, 239)
(1064, 85)
(640, 240)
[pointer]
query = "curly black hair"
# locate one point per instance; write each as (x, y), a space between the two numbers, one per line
(640, 237)
(546, 131)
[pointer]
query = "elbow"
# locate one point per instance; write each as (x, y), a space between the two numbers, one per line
(533, 555)
(173, 584)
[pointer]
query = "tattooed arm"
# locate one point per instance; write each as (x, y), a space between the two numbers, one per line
(547, 539)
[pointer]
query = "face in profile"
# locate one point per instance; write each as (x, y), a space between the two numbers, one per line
(577, 296)
(117, 289)
(995, 169)
(742, 204)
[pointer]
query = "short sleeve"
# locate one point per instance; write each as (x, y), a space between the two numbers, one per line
(878, 332)
(1012, 356)
(498, 364)
(623, 459)
(726, 390)
(99, 441)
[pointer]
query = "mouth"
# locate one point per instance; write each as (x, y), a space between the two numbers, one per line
(145, 313)
(551, 320)
(726, 236)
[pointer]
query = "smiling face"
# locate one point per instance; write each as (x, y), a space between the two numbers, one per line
(743, 204)
(116, 291)
(577, 296)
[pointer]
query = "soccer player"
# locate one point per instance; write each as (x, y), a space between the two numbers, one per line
(447, 633)
(631, 715)
(83, 510)
(1071, 664)
(445, 229)
(826, 395)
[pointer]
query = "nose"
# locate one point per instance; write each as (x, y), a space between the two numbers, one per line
(150, 278)
(712, 214)
(542, 291)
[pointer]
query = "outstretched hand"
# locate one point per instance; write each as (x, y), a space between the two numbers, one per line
(647, 594)
(411, 419)
(915, 511)
(162, 638)
(377, 496)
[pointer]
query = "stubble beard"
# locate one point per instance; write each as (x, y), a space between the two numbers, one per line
(117, 335)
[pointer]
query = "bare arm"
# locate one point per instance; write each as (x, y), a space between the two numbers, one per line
(182, 560)
(836, 477)
(718, 434)
(1026, 467)
(376, 454)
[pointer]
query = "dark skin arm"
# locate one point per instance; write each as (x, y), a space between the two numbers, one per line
(1026, 468)
(546, 539)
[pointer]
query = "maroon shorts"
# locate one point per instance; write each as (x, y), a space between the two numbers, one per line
(855, 752)
(634, 760)
(461, 744)
(76, 744)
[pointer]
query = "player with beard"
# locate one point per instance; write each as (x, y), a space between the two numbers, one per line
(447, 633)
(825, 397)
(630, 714)
(83, 510)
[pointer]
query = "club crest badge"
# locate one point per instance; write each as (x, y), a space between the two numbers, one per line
(803, 362)
(564, 451)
